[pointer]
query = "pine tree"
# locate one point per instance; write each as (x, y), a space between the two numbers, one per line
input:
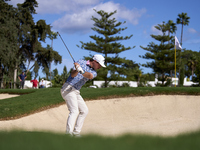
(109, 44)
(162, 55)
(65, 74)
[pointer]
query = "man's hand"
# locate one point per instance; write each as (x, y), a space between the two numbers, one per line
(78, 68)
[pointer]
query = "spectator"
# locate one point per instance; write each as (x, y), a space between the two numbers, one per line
(22, 78)
(42, 83)
(35, 83)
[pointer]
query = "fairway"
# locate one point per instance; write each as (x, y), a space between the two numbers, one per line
(163, 115)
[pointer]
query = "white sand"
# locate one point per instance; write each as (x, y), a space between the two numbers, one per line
(4, 96)
(155, 115)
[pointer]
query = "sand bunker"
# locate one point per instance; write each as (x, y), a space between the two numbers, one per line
(155, 115)
(4, 96)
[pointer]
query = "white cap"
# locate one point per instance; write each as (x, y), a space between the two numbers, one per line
(100, 59)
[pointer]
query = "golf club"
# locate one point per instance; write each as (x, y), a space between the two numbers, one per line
(79, 68)
(66, 46)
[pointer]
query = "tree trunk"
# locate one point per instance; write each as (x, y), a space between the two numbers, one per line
(181, 34)
(138, 82)
(179, 74)
(171, 76)
(182, 76)
(50, 71)
(192, 74)
(1, 76)
(180, 82)
(50, 62)
(163, 79)
(2, 81)
(15, 77)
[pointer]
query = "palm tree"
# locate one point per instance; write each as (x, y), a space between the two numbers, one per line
(183, 20)
(52, 36)
(45, 56)
(192, 63)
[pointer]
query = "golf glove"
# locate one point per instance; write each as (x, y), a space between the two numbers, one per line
(79, 69)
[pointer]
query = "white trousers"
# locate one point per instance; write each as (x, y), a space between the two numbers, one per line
(77, 107)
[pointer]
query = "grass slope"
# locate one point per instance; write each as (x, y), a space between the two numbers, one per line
(26, 104)
(51, 141)
(34, 100)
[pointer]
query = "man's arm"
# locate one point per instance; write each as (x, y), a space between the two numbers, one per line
(74, 73)
(26, 74)
(86, 74)
(19, 78)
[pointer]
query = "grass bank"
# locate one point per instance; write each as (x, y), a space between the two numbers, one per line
(34, 100)
(28, 102)
(31, 101)
(50, 141)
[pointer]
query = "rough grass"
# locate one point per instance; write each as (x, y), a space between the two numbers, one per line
(51, 141)
(34, 100)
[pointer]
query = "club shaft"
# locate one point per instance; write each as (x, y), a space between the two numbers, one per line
(66, 46)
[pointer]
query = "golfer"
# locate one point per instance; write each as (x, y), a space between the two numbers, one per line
(82, 72)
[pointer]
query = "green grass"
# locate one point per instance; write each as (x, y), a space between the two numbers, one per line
(33, 100)
(50, 141)
(140, 91)
(17, 91)
(26, 104)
